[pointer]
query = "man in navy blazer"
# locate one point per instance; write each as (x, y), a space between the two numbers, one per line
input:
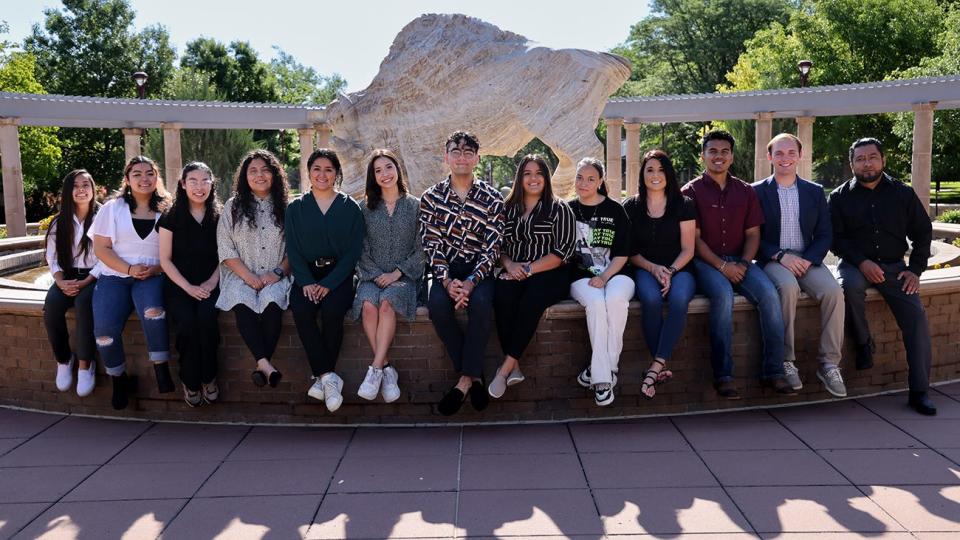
(793, 242)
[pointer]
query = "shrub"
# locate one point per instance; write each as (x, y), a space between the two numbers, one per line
(950, 216)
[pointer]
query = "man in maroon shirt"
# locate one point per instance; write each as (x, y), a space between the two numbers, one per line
(728, 235)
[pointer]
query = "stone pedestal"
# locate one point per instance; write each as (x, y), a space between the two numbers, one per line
(614, 178)
(13, 202)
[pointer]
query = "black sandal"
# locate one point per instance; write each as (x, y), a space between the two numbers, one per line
(259, 379)
(653, 378)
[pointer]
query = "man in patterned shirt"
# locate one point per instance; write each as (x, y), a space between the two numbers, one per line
(461, 224)
(794, 239)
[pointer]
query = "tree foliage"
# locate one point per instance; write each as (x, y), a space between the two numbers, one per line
(221, 149)
(90, 48)
(849, 41)
(302, 85)
(40, 157)
(686, 47)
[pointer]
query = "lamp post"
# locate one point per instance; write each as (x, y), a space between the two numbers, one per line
(140, 78)
(803, 67)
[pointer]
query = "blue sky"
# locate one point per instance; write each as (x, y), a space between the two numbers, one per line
(352, 37)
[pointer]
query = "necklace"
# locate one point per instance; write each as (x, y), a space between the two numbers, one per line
(580, 217)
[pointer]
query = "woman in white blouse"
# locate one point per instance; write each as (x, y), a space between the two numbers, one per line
(72, 261)
(254, 272)
(127, 243)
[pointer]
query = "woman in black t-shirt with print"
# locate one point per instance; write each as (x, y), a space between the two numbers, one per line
(662, 237)
(599, 284)
(188, 255)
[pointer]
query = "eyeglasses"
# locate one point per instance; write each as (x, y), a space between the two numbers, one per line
(457, 153)
(193, 182)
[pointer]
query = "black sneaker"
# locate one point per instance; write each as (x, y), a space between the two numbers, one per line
(865, 355)
(583, 379)
(164, 380)
(121, 389)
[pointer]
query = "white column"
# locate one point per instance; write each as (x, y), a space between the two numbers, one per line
(306, 148)
(323, 135)
(172, 160)
(922, 162)
(13, 203)
(805, 134)
(763, 127)
(614, 173)
(633, 157)
(131, 143)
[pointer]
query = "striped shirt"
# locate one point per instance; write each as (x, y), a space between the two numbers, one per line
(467, 231)
(791, 237)
(526, 239)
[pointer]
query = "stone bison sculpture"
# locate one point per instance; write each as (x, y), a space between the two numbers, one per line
(449, 72)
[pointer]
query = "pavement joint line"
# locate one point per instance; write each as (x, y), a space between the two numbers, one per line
(844, 476)
(746, 518)
(205, 480)
(333, 474)
(456, 504)
(85, 478)
(925, 445)
(586, 479)
(28, 439)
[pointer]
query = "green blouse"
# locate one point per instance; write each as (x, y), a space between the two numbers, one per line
(311, 235)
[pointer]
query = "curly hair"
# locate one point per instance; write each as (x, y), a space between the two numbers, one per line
(244, 207)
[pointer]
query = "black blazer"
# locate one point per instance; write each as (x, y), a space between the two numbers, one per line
(815, 224)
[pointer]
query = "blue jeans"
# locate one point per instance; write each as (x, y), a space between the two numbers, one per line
(113, 300)
(662, 333)
(760, 291)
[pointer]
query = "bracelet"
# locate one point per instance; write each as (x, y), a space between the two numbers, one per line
(129, 266)
(722, 266)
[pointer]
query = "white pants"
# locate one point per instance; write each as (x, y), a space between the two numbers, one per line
(606, 319)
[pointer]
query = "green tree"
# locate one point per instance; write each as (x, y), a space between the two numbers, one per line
(849, 41)
(40, 157)
(302, 85)
(221, 149)
(90, 48)
(946, 131)
(687, 47)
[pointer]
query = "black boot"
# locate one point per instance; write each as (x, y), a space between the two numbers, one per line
(920, 402)
(121, 389)
(164, 380)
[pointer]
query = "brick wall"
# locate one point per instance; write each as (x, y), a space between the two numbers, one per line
(557, 353)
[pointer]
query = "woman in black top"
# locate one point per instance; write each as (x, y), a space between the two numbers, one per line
(663, 230)
(188, 256)
(599, 282)
(538, 238)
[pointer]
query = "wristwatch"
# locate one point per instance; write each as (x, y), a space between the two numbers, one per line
(672, 270)
(279, 272)
(779, 255)
(472, 278)
(526, 268)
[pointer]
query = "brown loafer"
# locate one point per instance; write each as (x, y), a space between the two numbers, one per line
(727, 390)
(780, 385)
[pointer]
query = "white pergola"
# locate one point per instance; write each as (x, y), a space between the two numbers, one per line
(132, 116)
(921, 96)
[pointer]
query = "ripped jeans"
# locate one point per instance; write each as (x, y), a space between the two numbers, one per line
(114, 298)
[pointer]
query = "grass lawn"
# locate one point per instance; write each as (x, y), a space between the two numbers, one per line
(949, 192)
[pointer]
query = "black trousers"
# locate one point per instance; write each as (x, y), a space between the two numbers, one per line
(466, 349)
(322, 343)
(197, 335)
(55, 320)
(907, 310)
(260, 331)
(518, 306)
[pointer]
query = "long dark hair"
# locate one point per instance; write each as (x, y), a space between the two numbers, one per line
(63, 221)
(180, 209)
(516, 195)
(373, 191)
(243, 204)
(598, 166)
(672, 188)
(159, 200)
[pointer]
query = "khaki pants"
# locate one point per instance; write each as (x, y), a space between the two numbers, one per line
(819, 284)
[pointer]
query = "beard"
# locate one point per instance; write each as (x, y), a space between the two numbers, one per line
(868, 179)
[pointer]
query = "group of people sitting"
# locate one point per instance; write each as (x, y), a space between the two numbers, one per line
(501, 261)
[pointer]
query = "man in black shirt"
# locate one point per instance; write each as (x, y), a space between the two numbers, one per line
(873, 216)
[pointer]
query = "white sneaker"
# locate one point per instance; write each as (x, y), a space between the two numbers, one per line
(371, 384)
(332, 386)
(390, 388)
(86, 380)
(65, 375)
(603, 394)
(316, 390)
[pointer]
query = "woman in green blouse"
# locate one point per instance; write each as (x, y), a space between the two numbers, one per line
(324, 231)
